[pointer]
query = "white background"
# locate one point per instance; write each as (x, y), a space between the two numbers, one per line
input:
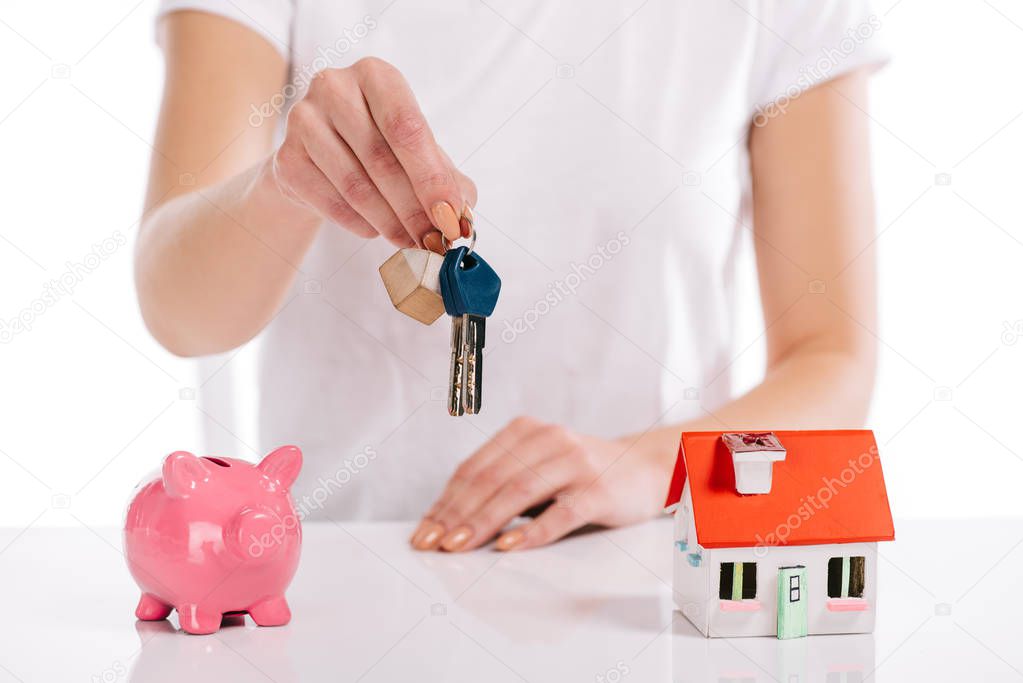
(89, 403)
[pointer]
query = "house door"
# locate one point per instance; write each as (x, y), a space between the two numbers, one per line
(792, 602)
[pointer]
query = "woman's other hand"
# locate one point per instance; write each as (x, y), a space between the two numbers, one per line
(528, 463)
(358, 151)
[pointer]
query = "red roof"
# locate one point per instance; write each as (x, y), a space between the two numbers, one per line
(828, 489)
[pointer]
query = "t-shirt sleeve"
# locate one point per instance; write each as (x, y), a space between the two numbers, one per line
(803, 44)
(269, 18)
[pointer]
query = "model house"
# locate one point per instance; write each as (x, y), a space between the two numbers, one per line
(776, 532)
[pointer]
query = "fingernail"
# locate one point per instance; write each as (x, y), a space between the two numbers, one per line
(445, 218)
(432, 241)
(510, 539)
(456, 539)
(430, 536)
(466, 221)
(418, 532)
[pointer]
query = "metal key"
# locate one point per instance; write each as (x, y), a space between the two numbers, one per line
(469, 287)
(474, 328)
(456, 405)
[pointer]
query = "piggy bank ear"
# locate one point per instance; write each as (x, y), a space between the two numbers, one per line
(282, 465)
(183, 473)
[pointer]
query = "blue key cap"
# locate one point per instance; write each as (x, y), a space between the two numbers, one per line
(468, 284)
(469, 287)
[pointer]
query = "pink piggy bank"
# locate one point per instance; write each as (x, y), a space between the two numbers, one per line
(213, 536)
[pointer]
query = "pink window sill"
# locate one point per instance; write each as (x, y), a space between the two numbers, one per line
(740, 605)
(847, 605)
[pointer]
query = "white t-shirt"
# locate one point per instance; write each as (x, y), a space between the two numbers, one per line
(608, 142)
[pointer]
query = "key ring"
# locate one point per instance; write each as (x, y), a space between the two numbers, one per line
(467, 215)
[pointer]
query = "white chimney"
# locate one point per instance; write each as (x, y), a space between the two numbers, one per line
(753, 457)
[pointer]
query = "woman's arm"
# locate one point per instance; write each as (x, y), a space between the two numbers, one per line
(217, 245)
(228, 219)
(813, 208)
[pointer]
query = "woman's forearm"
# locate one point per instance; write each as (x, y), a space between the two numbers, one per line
(212, 266)
(620, 482)
(812, 389)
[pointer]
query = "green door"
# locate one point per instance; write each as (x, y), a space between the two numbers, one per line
(792, 602)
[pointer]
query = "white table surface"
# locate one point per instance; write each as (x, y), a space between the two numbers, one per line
(593, 608)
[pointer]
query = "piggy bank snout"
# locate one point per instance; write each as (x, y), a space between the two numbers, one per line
(258, 533)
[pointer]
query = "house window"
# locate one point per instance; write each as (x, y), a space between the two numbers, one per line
(738, 581)
(845, 577)
(794, 588)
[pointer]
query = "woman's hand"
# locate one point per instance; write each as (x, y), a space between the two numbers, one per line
(528, 463)
(359, 152)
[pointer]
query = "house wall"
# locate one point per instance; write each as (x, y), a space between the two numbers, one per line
(696, 588)
(690, 584)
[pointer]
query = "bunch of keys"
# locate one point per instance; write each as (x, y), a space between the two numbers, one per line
(469, 288)
(423, 285)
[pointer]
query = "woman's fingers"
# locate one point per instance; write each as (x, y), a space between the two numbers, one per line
(468, 188)
(398, 118)
(430, 531)
(530, 487)
(302, 180)
(529, 463)
(350, 116)
(362, 127)
(513, 473)
(499, 482)
(433, 242)
(490, 452)
(565, 516)
(342, 167)
(469, 192)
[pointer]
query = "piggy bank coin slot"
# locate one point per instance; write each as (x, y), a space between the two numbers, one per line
(217, 461)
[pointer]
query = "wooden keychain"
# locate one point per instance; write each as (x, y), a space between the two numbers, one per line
(412, 279)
